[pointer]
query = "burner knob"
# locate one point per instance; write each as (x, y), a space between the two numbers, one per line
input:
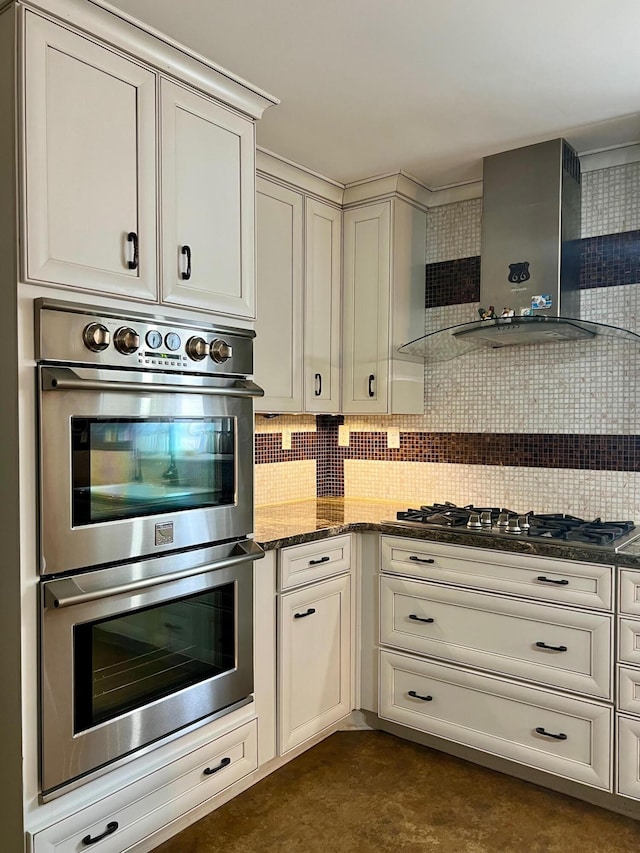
(474, 521)
(485, 519)
(523, 521)
(197, 348)
(503, 520)
(126, 340)
(96, 337)
(513, 526)
(221, 351)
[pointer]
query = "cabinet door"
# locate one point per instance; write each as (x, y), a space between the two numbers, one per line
(278, 346)
(90, 166)
(323, 250)
(367, 266)
(208, 184)
(314, 660)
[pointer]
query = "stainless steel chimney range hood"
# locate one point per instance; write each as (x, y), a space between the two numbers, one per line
(529, 289)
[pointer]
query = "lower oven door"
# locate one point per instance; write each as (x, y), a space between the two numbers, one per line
(129, 658)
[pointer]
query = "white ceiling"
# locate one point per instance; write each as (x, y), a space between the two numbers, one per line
(428, 86)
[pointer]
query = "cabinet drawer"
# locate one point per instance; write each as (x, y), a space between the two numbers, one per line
(302, 564)
(140, 809)
(582, 584)
(499, 634)
(629, 640)
(629, 689)
(628, 757)
(500, 717)
(630, 592)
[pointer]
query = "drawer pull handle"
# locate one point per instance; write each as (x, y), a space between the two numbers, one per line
(559, 736)
(370, 385)
(321, 560)
(551, 648)
(542, 579)
(318, 390)
(419, 618)
(302, 615)
(111, 828)
(421, 559)
(415, 695)
(209, 771)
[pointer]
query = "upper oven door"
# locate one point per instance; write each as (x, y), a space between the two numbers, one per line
(135, 464)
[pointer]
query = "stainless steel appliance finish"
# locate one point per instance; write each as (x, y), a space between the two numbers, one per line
(134, 653)
(146, 435)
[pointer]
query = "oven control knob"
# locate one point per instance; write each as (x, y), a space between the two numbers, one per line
(126, 340)
(221, 351)
(96, 337)
(197, 348)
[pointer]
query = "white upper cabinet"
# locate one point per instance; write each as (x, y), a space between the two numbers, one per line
(90, 165)
(383, 307)
(97, 135)
(323, 256)
(278, 346)
(208, 184)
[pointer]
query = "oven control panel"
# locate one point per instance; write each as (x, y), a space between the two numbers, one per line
(82, 335)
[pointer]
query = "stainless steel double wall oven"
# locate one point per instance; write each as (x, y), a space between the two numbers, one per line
(146, 516)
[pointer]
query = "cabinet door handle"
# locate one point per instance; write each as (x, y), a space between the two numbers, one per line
(209, 771)
(559, 736)
(321, 560)
(110, 829)
(302, 615)
(318, 390)
(419, 618)
(543, 579)
(186, 275)
(551, 648)
(415, 695)
(371, 381)
(132, 237)
(421, 559)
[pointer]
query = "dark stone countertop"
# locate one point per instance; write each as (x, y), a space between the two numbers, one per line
(280, 525)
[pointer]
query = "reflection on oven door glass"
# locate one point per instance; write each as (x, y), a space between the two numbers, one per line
(127, 467)
(124, 662)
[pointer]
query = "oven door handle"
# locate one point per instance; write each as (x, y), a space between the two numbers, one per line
(65, 379)
(65, 592)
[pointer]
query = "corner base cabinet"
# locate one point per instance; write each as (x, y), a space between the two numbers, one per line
(314, 659)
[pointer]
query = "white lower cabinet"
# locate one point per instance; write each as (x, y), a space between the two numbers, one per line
(314, 660)
(549, 731)
(120, 821)
(628, 694)
(506, 653)
(629, 757)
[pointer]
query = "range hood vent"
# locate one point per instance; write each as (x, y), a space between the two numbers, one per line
(529, 288)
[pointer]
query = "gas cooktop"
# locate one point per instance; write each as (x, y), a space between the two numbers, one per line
(498, 521)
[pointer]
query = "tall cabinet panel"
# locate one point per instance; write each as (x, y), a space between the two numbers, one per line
(278, 345)
(207, 170)
(323, 250)
(384, 269)
(367, 268)
(90, 164)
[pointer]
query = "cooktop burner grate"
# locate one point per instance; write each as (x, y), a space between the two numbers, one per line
(502, 521)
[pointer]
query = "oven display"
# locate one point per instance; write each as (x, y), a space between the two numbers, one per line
(132, 467)
(124, 662)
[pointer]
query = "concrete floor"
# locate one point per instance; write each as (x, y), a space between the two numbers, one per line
(370, 792)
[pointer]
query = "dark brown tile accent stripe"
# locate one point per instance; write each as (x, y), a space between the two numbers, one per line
(606, 261)
(587, 452)
(584, 452)
(453, 282)
(610, 260)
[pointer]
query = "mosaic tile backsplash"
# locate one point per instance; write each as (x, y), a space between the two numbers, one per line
(553, 428)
